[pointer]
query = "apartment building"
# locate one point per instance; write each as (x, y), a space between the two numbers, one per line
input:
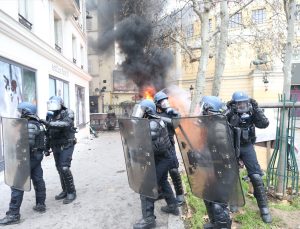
(43, 52)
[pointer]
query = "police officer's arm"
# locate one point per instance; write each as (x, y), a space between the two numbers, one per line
(33, 130)
(259, 118)
(66, 121)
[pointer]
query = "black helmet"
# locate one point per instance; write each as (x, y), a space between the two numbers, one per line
(26, 108)
(55, 103)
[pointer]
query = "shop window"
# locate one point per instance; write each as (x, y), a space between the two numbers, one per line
(60, 88)
(80, 105)
(17, 84)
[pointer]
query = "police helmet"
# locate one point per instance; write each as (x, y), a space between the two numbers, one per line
(144, 108)
(55, 103)
(161, 100)
(241, 100)
(211, 105)
(26, 108)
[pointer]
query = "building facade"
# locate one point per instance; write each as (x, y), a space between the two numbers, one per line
(43, 53)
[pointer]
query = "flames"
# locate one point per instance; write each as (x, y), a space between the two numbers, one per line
(148, 92)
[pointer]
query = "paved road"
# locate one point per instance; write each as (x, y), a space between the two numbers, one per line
(104, 197)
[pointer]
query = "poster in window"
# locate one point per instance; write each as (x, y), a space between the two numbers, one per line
(80, 107)
(122, 83)
(10, 89)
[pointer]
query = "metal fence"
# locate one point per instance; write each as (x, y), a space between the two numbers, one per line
(121, 110)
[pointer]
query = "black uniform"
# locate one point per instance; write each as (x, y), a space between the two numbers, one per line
(163, 160)
(37, 146)
(173, 171)
(244, 130)
(61, 134)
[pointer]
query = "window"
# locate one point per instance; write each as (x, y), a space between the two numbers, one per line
(24, 14)
(190, 30)
(81, 56)
(235, 20)
(80, 105)
(297, 13)
(209, 25)
(17, 84)
(58, 32)
(259, 16)
(74, 49)
(59, 88)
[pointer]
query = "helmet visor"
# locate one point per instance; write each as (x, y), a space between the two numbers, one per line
(242, 106)
(138, 111)
(164, 103)
(53, 105)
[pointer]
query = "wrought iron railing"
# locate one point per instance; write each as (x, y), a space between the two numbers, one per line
(25, 22)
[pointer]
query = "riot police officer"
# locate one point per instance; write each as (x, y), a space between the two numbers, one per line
(244, 115)
(218, 212)
(167, 113)
(61, 135)
(36, 138)
(162, 149)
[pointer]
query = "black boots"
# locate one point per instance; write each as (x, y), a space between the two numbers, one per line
(145, 223)
(10, 219)
(218, 216)
(176, 179)
(68, 181)
(171, 209)
(261, 197)
(148, 220)
(41, 208)
(63, 194)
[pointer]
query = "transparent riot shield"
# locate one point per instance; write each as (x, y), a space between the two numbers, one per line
(209, 158)
(139, 156)
(15, 147)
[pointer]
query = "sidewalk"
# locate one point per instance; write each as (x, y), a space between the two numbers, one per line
(104, 199)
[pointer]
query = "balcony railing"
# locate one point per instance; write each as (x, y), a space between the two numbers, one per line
(58, 48)
(25, 22)
(74, 60)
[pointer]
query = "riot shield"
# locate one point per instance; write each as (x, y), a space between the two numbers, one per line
(139, 156)
(209, 158)
(16, 153)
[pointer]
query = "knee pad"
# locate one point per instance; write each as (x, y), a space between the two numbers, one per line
(256, 180)
(174, 171)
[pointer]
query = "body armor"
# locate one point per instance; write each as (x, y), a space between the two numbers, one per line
(160, 137)
(61, 131)
(36, 135)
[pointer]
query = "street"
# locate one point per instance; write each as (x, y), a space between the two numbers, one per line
(104, 199)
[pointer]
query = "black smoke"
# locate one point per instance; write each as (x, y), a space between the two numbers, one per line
(144, 63)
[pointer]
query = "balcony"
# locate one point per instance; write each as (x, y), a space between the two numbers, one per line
(69, 6)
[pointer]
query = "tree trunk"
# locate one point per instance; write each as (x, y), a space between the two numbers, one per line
(221, 48)
(203, 60)
(290, 7)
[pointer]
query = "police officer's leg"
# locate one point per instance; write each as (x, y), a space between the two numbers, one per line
(148, 219)
(162, 168)
(13, 215)
(249, 158)
(176, 178)
(218, 215)
(38, 182)
(57, 154)
(66, 158)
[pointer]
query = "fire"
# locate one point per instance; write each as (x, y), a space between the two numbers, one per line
(148, 92)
